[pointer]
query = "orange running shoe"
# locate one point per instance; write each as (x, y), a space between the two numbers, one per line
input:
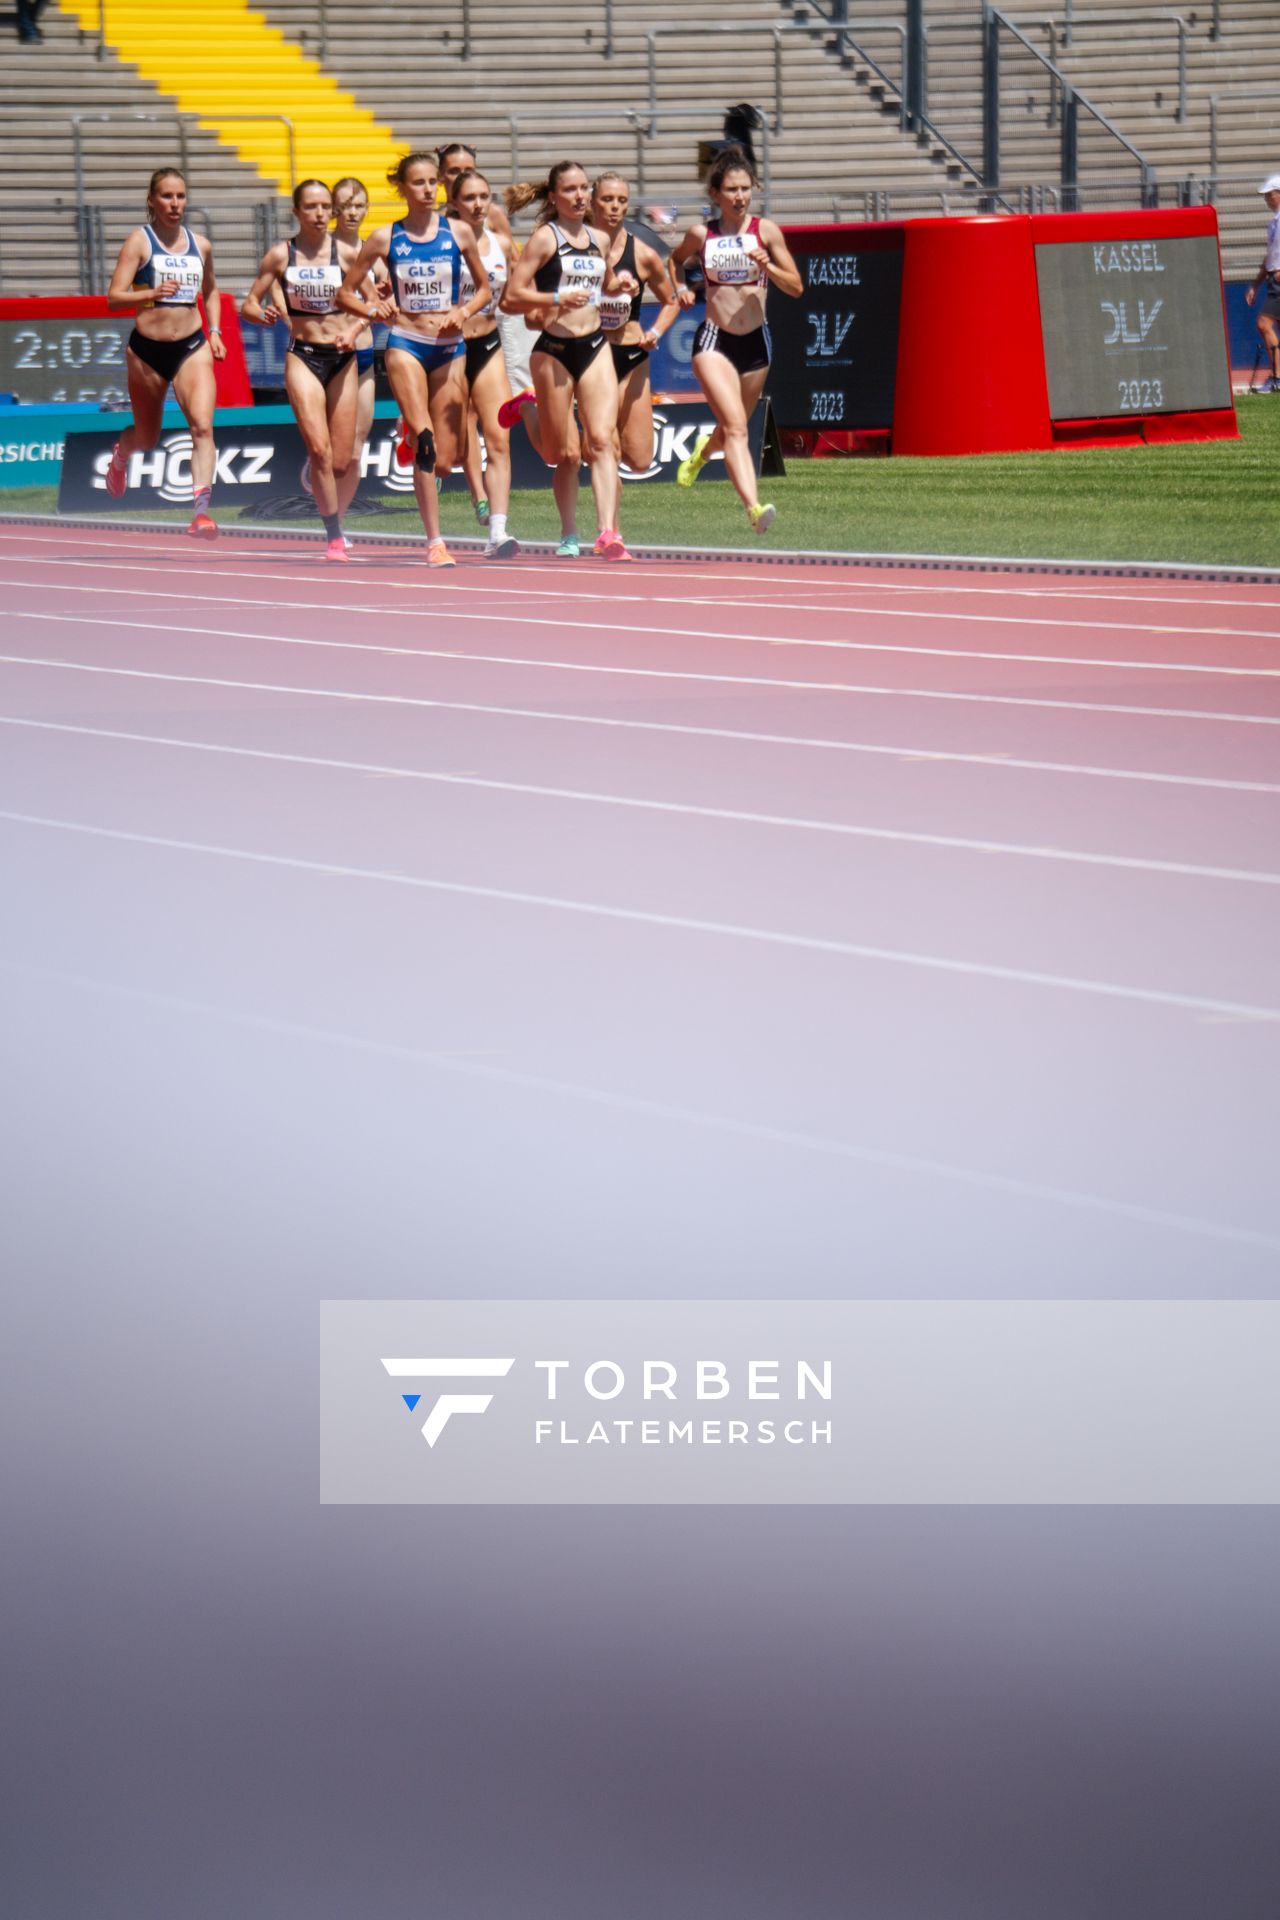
(510, 410)
(203, 528)
(117, 473)
(438, 555)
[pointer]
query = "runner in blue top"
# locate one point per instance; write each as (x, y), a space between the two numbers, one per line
(162, 271)
(426, 351)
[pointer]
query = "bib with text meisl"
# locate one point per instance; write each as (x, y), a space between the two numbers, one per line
(425, 286)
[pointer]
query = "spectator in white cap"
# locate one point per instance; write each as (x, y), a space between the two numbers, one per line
(1269, 273)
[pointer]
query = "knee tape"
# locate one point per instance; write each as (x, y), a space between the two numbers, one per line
(425, 458)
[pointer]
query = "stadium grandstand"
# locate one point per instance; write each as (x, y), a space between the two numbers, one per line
(867, 114)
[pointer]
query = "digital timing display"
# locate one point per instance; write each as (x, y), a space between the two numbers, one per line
(1132, 326)
(56, 361)
(835, 349)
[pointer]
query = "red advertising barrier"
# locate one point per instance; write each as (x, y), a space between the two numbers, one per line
(70, 348)
(1002, 333)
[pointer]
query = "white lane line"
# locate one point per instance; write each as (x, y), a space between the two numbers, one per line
(683, 923)
(847, 579)
(676, 727)
(456, 1062)
(77, 620)
(510, 617)
(798, 823)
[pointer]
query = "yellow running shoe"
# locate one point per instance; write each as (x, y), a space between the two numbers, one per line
(762, 518)
(688, 470)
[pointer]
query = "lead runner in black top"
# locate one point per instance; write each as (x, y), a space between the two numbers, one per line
(566, 261)
(630, 343)
(320, 372)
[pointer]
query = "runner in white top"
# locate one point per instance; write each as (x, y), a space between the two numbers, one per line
(320, 367)
(742, 255)
(470, 200)
(162, 271)
(1269, 271)
(350, 210)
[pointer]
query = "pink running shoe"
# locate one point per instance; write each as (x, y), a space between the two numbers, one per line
(337, 550)
(510, 410)
(613, 547)
(203, 528)
(117, 473)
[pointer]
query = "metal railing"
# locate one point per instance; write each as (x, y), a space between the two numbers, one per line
(96, 256)
(88, 235)
(115, 116)
(1159, 17)
(637, 121)
(871, 205)
(225, 119)
(1070, 20)
(124, 115)
(1072, 101)
(901, 85)
(777, 34)
(558, 117)
(464, 52)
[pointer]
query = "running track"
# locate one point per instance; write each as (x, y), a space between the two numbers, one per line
(690, 927)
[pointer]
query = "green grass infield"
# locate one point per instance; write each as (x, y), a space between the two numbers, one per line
(1207, 503)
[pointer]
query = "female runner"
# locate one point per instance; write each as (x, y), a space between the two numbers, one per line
(350, 208)
(458, 159)
(320, 367)
(425, 253)
(162, 270)
(566, 262)
(620, 317)
(487, 383)
(741, 256)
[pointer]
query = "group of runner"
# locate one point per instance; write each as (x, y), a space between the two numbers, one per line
(569, 354)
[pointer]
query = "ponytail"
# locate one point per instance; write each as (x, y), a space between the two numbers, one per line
(396, 175)
(525, 192)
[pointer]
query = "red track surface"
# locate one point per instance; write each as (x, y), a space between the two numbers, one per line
(688, 927)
